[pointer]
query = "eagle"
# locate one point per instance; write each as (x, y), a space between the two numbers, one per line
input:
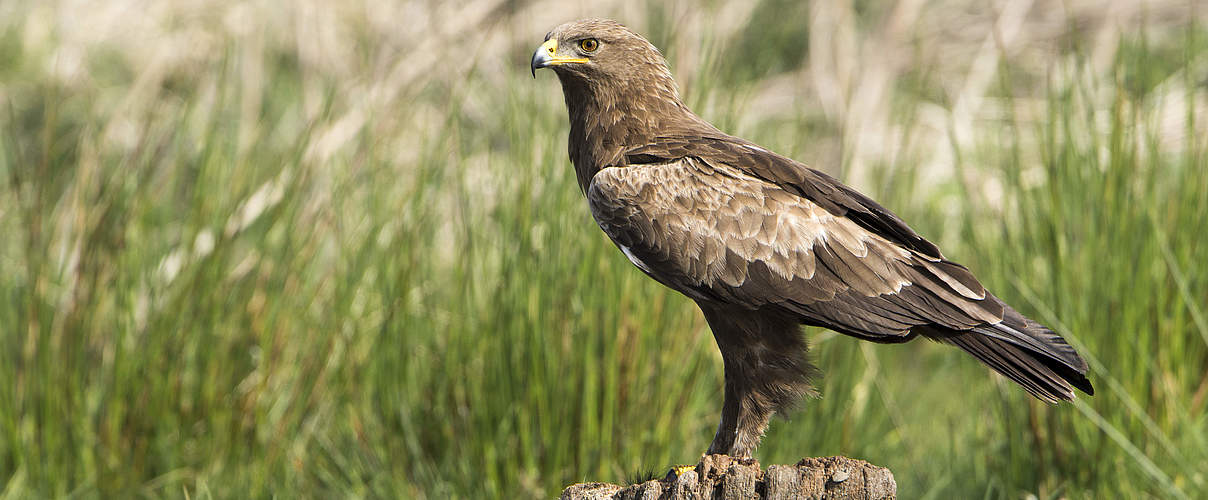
(764, 244)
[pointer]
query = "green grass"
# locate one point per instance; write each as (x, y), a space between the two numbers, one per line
(215, 283)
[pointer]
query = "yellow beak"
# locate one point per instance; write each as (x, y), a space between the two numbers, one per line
(547, 55)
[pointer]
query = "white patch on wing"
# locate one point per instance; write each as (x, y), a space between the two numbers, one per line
(634, 259)
(755, 148)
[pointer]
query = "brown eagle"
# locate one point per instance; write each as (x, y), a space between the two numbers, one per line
(764, 244)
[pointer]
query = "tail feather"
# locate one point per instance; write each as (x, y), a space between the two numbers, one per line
(1029, 354)
(1018, 327)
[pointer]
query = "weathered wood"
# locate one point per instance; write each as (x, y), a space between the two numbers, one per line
(724, 478)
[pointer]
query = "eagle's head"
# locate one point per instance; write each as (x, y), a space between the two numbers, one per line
(618, 91)
(602, 57)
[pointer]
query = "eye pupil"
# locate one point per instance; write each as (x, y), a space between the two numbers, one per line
(589, 44)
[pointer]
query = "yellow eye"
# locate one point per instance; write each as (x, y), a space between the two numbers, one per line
(589, 44)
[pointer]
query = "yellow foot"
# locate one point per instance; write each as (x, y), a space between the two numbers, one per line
(679, 470)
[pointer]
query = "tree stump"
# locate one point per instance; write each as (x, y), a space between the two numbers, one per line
(723, 477)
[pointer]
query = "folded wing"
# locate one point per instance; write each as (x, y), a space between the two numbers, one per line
(719, 233)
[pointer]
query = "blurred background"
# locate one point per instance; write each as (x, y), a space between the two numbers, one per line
(336, 249)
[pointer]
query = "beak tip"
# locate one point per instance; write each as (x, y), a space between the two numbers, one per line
(538, 61)
(541, 57)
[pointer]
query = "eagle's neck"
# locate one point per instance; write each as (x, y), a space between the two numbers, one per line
(608, 119)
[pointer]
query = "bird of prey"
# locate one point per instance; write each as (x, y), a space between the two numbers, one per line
(764, 244)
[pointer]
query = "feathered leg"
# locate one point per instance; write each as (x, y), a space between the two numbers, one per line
(766, 372)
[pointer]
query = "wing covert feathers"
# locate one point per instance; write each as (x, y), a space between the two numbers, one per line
(794, 177)
(715, 233)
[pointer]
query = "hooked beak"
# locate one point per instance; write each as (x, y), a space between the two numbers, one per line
(547, 55)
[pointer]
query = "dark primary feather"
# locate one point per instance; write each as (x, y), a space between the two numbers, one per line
(1036, 357)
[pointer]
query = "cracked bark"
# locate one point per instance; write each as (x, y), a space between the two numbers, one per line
(722, 477)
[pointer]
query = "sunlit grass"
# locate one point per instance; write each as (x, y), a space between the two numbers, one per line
(260, 269)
